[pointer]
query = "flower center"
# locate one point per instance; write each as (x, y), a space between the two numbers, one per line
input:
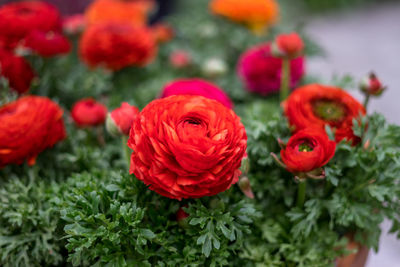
(305, 146)
(329, 110)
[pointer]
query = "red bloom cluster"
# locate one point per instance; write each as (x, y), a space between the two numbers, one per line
(87, 112)
(18, 19)
(120, 120)
(318, 105)
(261, 72)
(16, 70)
(307, 150)
(187, 146)
(47, 44)
(117, 45)
(27, 127)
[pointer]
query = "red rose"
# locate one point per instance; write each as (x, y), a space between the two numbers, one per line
(18, 19)
(88, 112)
(116, 45)
(187, 146)
(261, 72)
(120, 120)
(307, 150)
(197, 87)
(288, 46)
(16, 70)
(317, 105)
(47, 44)
(28, 126)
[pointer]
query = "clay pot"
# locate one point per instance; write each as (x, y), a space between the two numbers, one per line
(357, 259)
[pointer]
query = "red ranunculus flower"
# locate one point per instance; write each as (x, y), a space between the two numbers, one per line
(47, 44)
(307, 150)
(120, 120)
(116, 45)
(187, 146)
(88, 112)
(197, 87)
(16, 70)
(28, 126)
(261, 72)
(288, 46)
(18, 19)
(317, 105)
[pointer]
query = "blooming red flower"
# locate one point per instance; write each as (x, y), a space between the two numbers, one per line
(47, 44)
(288, 46)
(28, 126)
(18, 19)
(187, 146)
(180, 59)
(317, 105)
(74, 24)
(88, 112)
(261, 72)
(197, 87)
(116, 45)
(120, 120)
(307, 150)
(16, 70)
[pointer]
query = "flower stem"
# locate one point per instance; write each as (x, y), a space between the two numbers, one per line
(301, 194)
(285, 79)
(366, 101)
(126, 153)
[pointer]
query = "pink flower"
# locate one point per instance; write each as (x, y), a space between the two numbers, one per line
(197, 87)
(261, 72)
(74, 24)
(180, 59)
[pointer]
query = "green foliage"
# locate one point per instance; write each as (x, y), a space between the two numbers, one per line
(30, 233)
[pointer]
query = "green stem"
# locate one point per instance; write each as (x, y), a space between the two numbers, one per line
(366, 101)
(301, 194)
(126, 153)
(285, 79)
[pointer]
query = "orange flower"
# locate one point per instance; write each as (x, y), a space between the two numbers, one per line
(117, 45)
(256, 14)
(163, 32)
(133, 12)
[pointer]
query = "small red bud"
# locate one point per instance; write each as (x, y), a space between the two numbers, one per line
(287, 46)
(371, 85)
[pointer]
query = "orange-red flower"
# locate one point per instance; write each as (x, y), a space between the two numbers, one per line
(133, 12)
(288, 46)
(16, 70)
(18, 19)
(27, 127)
(163, 32)
(119, 121)
(116, 45)
(47, 44)
(317, 105)
(307, 150)
(87, 112)
(187, 146)
(256, 14)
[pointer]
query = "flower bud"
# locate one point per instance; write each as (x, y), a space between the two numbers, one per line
(181, 217)
(74, 24)
(245, 165)
(244, 185)
(120, 120)
(88, 112)
(180, 59)
(214, 67)
(288, 46)
(371, 85)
